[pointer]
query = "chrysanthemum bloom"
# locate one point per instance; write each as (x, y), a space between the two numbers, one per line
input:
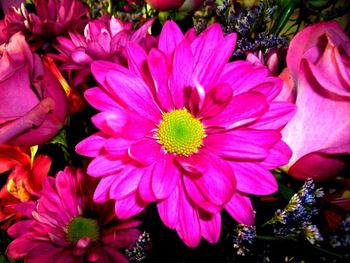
(8, 4)
(66, 226)
(51, 18)
(104, 39)
(24, 179)
(186, 129)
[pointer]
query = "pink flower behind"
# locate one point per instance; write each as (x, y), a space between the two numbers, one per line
(51, 18)
(67, 226)
(185, 129)
(318, 66)
(8, 4)
(104, 39)
(32, 102)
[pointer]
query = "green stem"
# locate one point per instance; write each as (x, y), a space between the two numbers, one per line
(330, 253)
(285, 15)
(325, 251)
(271, 238)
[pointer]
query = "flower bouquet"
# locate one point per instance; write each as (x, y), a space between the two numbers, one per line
(174, 131)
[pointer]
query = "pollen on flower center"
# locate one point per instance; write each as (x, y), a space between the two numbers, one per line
(181, 133)
(82, 227)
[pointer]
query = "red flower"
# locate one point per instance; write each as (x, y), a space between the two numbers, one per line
(25, 177)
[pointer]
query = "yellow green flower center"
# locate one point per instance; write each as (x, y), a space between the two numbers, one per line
(81, 227)
(180, 133)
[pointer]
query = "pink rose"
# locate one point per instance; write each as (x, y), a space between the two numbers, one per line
(182, 5)
(318, 73)
(32, 102)
(164, 5)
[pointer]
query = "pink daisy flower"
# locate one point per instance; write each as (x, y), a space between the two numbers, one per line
(65, 225)
(104, 39)
(51, 18)
(186, 129)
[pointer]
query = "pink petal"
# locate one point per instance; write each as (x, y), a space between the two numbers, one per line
(198, 197)
(35, 117)
(20, 247)
(145, 151)
(278, 115)
(235, 147)
(129, 206)
(145, 185)
(278, 156)
(194, 98)
(271, 87)
(216, 100)
(209, 71)
(321, 120)
(253, 178)
(288, 92)
(210, 226)
(240, 208)
(123, 123)
(100, 100)
(66, 185)
(136, 58)
(125, 183)
(121, 239)
(189, 226)
(165, 177)
(242, 109)
(243, 76)
(104, 165)
(319, 166)
(217, 181)
(168, 209)
(204, 48)
(304, 44)
(20, 228)
(127, 88)
(159, 68)
(46, 251)
(117, 147)
(26, 208)
(80, 57)
(101, 193)
(263, 138)
(91, 146)
(181, 73)
(169, 37)
(133, 93)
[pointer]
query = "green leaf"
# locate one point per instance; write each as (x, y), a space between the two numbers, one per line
(285, 191)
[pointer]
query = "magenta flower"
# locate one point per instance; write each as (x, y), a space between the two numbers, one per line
(67, 226)
(104, 39)
(318, 62)
(184, 128)
(51, 18)
(32, 102)
(8, 4)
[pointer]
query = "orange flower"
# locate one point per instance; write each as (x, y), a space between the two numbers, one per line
(24, 178)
